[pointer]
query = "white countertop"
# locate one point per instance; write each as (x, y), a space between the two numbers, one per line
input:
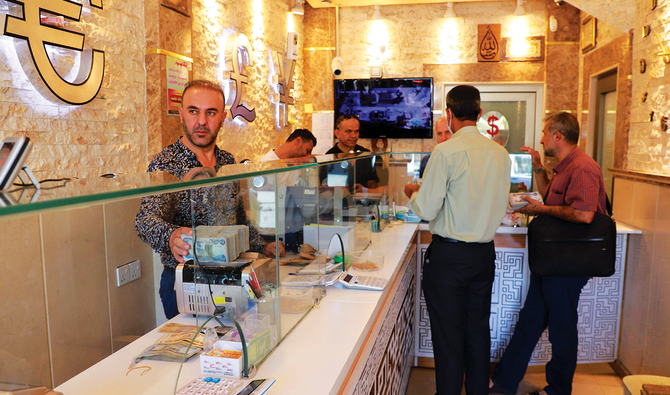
(312, 359)
(621, 228)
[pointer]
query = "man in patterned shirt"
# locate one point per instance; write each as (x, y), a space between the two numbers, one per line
(162, 219)
(575, 193)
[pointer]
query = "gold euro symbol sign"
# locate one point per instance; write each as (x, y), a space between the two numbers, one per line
(31, 36)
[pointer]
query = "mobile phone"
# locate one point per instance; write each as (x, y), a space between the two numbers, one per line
(257, 387)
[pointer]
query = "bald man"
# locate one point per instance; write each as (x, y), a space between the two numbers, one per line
(443, 134)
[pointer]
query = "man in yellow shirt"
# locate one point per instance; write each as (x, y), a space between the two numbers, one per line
(464, 198)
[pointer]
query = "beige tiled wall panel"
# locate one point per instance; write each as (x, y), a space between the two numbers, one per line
(656, 361)
(622, 200)
(24, 348)
(644, 340)
(106, 135)
(76, 271)
(132, 305)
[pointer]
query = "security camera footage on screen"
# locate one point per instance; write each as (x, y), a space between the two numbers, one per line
(392, 108)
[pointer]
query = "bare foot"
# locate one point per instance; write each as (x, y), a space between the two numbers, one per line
(490, 383)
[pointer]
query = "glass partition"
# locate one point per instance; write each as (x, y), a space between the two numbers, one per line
(288, 229)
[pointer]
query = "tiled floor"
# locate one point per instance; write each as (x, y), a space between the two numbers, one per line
(590, 379)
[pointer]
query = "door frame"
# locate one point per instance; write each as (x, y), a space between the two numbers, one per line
(511, 87)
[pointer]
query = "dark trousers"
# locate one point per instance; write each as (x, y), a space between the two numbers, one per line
(167, 293)
(551, 302)
(457, 282)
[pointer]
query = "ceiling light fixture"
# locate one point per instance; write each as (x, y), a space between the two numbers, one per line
(298, 8)
(377, 14)
(519, 10)
(450, 11)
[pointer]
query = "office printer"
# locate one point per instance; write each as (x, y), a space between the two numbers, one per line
(194, 282)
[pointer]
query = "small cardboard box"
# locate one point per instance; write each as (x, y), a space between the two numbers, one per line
(222, 363)
(258, 346)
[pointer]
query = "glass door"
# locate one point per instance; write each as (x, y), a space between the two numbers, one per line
(603, 139)
(511, 116)
(511, 113)
(508, 118)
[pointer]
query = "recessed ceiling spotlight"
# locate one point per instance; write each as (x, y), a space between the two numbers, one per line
(298, 8)
(450, 11)
(519, 10)
(377, 14)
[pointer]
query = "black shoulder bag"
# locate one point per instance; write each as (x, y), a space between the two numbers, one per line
(568, 249)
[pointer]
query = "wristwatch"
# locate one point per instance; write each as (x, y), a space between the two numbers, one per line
(539, 169)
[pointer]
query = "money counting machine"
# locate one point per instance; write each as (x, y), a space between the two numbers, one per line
(206, 290)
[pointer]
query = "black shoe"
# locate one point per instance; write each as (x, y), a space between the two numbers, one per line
(497, 390)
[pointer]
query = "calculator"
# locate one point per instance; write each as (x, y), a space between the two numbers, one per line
(363, 282)
(225, 386)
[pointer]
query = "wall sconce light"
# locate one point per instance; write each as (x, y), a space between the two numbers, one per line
(553, 24)
(519, 10)
(450, 11)
(377, 14)
(299, 7)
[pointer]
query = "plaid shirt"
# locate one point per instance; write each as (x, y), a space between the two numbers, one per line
(160, 215)
(578, 183)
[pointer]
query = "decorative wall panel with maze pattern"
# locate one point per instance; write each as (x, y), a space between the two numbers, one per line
(599, 309)
(387, 367)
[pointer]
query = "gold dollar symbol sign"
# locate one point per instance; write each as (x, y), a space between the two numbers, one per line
(494, 128)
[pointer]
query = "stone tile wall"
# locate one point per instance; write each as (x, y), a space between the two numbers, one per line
(649, 145)
(106, 135)
(265, 23)
(419, 41)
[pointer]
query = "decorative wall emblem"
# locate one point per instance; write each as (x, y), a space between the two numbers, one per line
(238, 57)
(488, 43)
(31, 37)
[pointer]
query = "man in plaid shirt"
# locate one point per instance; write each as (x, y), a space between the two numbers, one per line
(575, 193)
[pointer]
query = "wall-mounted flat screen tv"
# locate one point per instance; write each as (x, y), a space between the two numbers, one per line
(388, 107)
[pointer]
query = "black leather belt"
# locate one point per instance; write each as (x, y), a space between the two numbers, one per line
(447, 239)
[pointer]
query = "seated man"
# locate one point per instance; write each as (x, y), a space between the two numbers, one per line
(162, 219)
(347, 131)
(298, 145)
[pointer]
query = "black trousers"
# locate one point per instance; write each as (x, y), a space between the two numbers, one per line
(457, 283)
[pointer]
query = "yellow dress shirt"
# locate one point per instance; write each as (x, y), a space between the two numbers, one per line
(465, 187)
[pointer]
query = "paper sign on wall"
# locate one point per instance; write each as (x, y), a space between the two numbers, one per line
(322, 128)
(177, 77)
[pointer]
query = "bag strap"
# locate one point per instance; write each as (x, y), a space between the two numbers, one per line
(608, 205)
